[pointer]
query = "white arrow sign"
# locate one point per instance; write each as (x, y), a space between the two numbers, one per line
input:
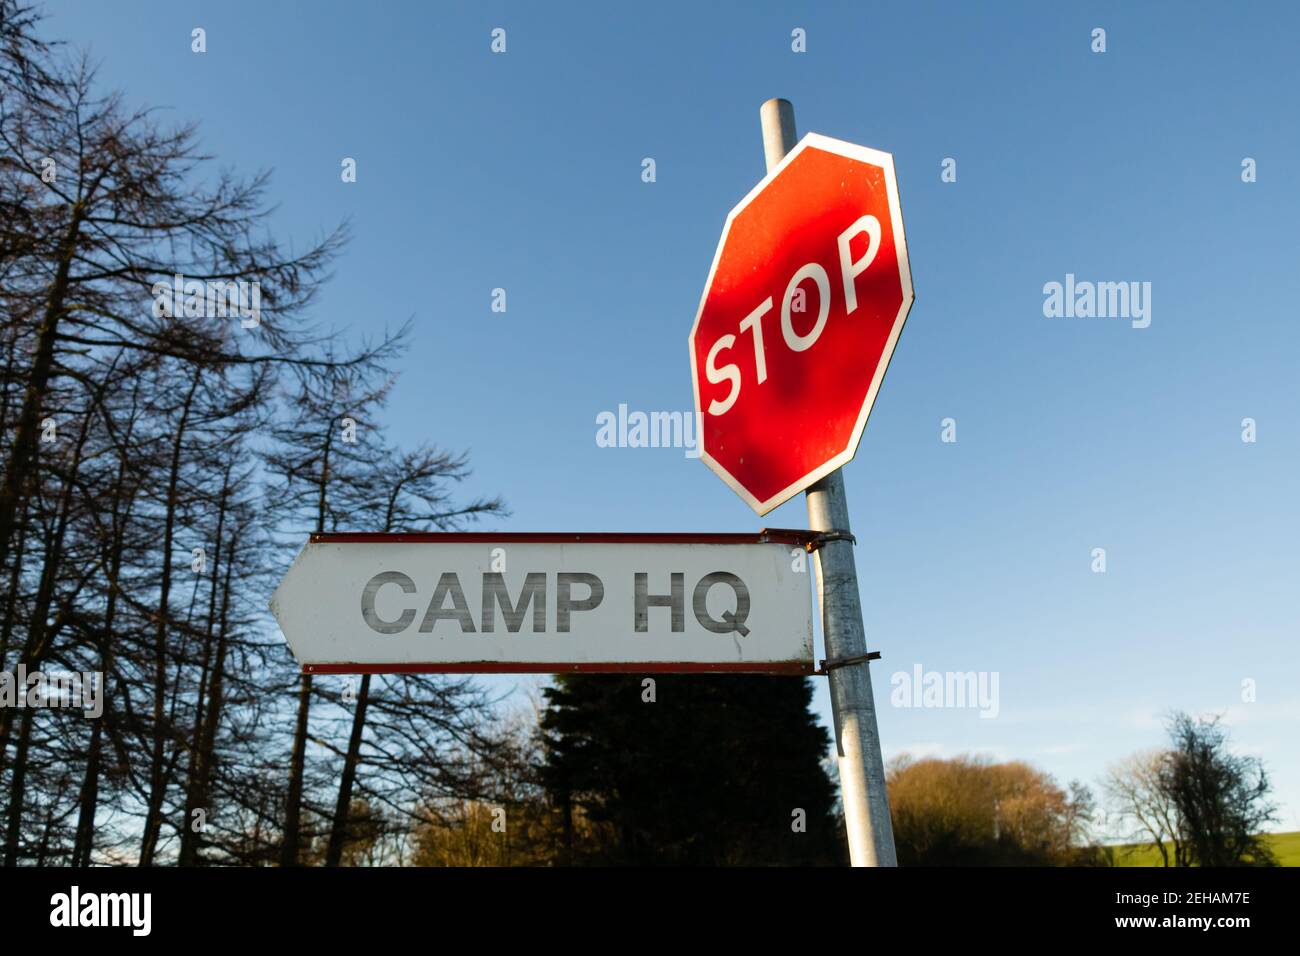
(534, 603)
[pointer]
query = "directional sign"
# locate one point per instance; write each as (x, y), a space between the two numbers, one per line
(808, 293)
(384, 603)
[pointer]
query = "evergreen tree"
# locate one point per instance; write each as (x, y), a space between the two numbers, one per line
(692, 770)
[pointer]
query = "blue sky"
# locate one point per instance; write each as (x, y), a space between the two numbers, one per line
(523, 171)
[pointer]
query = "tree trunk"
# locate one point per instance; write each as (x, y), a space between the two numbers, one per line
(157, 777)
(84, 842)
(11, 614)
(338, 832)
(297, 763)
(201, 764)
(38, 637)
(23, 454)
(13, 835)
(293, 803)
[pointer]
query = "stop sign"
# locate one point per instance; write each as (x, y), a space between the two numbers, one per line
(808, 293)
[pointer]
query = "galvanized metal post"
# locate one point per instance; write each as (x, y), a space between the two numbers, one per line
(857, 739)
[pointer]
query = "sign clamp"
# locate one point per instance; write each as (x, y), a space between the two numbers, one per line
(826, 537)
(813, 541)
(810, 540)
(825, 667)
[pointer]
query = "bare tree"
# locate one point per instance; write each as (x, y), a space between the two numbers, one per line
(1221, 797)
(163, 454)
(1135, 791)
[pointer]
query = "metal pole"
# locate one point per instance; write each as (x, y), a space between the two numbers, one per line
(857, 740)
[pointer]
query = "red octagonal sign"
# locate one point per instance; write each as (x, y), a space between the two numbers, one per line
(808, 293)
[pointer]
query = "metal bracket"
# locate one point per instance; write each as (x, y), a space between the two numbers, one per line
(808, 540)
(826, 537)
(837, 662)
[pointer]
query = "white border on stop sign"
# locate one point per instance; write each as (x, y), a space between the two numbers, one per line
(873, 157)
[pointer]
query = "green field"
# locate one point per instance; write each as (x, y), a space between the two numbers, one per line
(1285, 845)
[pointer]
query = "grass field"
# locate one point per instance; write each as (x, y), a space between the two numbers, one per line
(1285, 845)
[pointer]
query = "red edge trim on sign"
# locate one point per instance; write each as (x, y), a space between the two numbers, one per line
(505, 667)
(797, 536)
